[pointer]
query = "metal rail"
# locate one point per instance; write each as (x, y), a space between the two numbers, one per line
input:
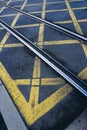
(52, 25)
(55, 65)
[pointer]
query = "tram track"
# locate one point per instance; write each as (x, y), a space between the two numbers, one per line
(54, 64)
(50, 24)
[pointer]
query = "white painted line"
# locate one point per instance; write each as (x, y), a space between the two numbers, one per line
(9, 112)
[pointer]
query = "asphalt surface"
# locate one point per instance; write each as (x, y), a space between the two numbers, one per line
(44, 99)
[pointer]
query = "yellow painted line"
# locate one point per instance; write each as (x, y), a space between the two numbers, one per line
(16, 0)
(41, 29)
(10, 45)
(7, 15)
(33, 25)
(82, 20)
(59, 22)
(58, 2)
(44, 81)
(1, 46)
(4, 6)
(59, 10)
(51, 101)
(40, 37)
(24, 26)
(48, 3)
(35, 12)
(36, 4)
(75, 22)
(13, 45)
(83, 74)
(33, 113)
(30, 5)
(28, 25)
(34, 95)
(76, 25)
(30, 112)
(35, 82)
(13, 90)
(12, 25)
(75, 0)
(61, 42)
(63, 22)
(23, 81)
(45, 43)
(36, 71)
(52, 81)
(81, 8)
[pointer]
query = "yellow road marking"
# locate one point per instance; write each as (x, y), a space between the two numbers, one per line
(35, 83)
(75, 0)
(32, 112)
(24, 26)
(41, 30)
(30, 5)
(7, 15)
(13, 45)
(22, 81)
(76, 24)
(61, 42)
(16, 0)
(13, 90)
(2, 9)
(81, 8)
(52, 81)
(1, 46)
(5, 7)
(35, 12)
(28, 25)
(82, 20)
(45, 43)
(48, 3)
(59, 22)
(13, 24)
(44, 81)
(29, 111)
(52, 100)
(33, 25)
(83, 74)
(59, 10)
(36, 73)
